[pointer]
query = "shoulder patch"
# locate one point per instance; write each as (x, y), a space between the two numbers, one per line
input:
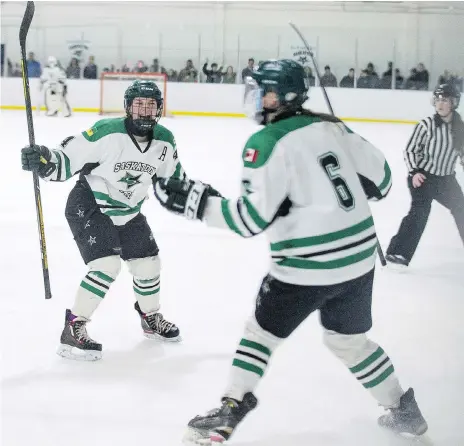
(103, 128)
(258, 149)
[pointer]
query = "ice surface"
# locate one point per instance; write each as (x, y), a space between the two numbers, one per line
(143, 392)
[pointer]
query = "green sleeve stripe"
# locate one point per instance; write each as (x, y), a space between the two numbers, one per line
(387, 177)
(228, 217)
(259, 221)
(176, 174)
(324, 238)
(58, 164)
(67, 165)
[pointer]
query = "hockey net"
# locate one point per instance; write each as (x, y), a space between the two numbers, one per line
(113, 86)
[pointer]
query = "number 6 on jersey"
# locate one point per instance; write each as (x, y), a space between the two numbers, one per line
(329, 162)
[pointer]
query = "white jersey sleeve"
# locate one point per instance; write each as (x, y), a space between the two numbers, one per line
(73, 154)
(370, 163)
(264, 191)
(53, 75)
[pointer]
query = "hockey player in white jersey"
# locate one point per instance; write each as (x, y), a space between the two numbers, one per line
(54, 87)
(117, 161)
(306, 180)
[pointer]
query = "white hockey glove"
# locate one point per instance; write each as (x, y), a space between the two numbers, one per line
(187, 198)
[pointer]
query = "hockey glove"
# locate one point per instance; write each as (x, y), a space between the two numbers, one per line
(37, 159)
(187, 198)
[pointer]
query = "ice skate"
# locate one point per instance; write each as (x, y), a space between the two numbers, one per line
(396, 262)
(154, 326)
(405, 419)
(76, 343)
(219, 424)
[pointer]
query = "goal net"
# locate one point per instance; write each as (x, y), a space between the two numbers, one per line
(113, 86)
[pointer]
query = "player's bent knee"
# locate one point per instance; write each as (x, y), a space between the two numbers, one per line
(350, 349)
(146, 268)
(110, 266)
(254, 332)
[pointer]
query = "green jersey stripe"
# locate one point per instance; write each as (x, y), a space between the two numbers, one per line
(387, 178)
(58, 164)
(228, 217)
(248, 367)
(120, 213)
(177, 172)
(324, 238)
(329, 264)
(67, 165)
(253, 213)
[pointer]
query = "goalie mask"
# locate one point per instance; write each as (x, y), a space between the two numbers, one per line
(276, 87)
(143, 103)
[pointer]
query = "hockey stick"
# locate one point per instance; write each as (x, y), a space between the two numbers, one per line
(23, 30)
(329, 105)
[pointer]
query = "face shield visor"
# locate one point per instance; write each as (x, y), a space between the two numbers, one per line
(253, 103)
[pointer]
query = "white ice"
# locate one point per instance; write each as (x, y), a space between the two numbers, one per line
(144, 392)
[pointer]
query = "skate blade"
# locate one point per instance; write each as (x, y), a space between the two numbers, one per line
(157, 337)
(202, 438)
(68, 352)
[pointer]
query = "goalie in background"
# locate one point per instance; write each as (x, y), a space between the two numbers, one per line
(54, 88)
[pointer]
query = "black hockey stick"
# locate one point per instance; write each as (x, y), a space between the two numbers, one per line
(329, 105)
(23, 30)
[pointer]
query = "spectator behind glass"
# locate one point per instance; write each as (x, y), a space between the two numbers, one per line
(422, 77)
(399, 79)
(328, 79)
(311, 78)
(33, 66)
(229, 76)
(389, 72)
(348, 80)
(371, 70)
(189, 73)
(214, 75)
(90, 70)
(363, 80)
(74, 70)
(246, 72)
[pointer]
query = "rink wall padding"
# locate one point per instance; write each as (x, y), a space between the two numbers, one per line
(225, 100)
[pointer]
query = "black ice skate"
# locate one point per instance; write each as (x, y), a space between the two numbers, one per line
(405, 419)
(396, 261)
(76, 343)
(154, 326)
(219, 424)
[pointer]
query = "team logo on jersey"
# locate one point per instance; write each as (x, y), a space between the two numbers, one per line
(135, 165)
(89, 132)
(130, 180)
(251, 155)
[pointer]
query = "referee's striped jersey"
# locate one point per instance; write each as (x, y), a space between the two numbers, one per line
(430, 148)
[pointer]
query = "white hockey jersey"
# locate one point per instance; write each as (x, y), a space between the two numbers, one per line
(118, 169)
(328, 234)
(53, 76)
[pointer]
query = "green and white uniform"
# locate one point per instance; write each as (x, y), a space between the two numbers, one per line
(328, 237)
(118, 172)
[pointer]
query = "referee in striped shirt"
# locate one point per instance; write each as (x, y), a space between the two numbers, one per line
(430, 157)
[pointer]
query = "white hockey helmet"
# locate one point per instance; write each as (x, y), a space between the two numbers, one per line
(52, 61)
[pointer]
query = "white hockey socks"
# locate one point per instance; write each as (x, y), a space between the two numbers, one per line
(369, 364)
(146, 272)
(250, 360)
(95, 285)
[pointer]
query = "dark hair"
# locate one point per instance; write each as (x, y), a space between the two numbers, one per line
(327, 67)
(251, 59)
(351, 69)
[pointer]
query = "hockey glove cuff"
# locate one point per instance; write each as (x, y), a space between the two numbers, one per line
(37, 159)
(187, 198)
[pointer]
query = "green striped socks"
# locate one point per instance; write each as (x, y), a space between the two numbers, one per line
(147, 293)
(97, 283)
(252, 357)
(374, 370)
(90, 293)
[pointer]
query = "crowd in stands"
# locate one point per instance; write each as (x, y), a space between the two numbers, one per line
(418, 78)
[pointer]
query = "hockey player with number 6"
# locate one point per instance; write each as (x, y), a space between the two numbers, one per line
(306, 181)
(117, 161)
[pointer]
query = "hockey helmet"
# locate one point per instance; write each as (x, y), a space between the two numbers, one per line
(285, 77)
(52, 62)
(145, 119)
(447, 91)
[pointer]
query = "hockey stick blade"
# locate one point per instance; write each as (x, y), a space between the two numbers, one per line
(23, 31)
(383, 262)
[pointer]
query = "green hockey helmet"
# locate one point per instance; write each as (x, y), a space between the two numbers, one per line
(143, 115)
(286, 78)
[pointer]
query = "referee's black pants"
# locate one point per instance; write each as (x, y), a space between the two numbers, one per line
(444, 189)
